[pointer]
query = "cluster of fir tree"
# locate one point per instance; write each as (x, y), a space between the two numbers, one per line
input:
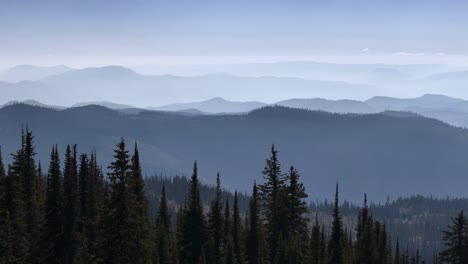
(73, 214)
(275, 229)
(456, 241)
(79, 216)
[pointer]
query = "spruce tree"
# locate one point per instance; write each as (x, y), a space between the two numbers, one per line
(237, 239)
(256, 244)
(14, 205)
(456, 241)
(335, 245)
(6, 232)
(194, 235)
(164, 243)
(120, 242)
(297, 217)
(228, 246)
(274, 198)
(315, 243)
(364, 233)
(139, 209)
(216, 224)
(71, 212)
(28, 173)
(53, 227)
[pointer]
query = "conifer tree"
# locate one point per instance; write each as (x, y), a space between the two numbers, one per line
(94, 205)
(456, 241)
(164, 248)
(53, 227)
(14, 205)
(71, 212)
(256, 244)
(216, 224)
(194, 235)
(335, 245)
(228, 247)
(274, 197)
(237, 232)
(297, 217)
(139, 209)
(28, 173)
(315, 243)
(364, 234)
(6, 232)
(121, 242)
(297, 213)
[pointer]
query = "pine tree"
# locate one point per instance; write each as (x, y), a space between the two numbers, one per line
(364, 233)
(335, 245)
(237, 233)
(456, 241)
(216, 224)
(274, 197)
(256, 244)
(28, 174)
(297, 217)
(53, 227)
(164, 247)
(229, 255)
(71, 212)
(194, 235)
(14, 205)
(6, 232)
(315, 243)
(95, 190)
(120, 242)
(139, 209)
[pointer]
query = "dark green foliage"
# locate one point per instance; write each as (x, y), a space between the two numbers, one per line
(139, 210)
(257, 252)
(274, 196)
(237, 233)
(86, 219)
(71, 212)
(53, 227)
(216, 224)
(121, 230)
(335, 245)
(164, 245)
(193, 230)
(456, 241)
(316, 243)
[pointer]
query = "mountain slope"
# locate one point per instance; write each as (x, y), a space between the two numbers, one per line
(377, 153)
(214, 105)
(119, 84)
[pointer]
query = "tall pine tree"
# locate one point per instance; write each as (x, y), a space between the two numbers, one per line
(273, 193)
(193, 234)
(335, 245)
(216, 224)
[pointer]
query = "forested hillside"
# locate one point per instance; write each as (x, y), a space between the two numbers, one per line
(387, 154)
(73, 212)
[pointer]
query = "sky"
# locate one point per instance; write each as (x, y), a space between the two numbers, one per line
(142, 32)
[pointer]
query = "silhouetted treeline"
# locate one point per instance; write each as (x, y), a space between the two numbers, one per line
(74, 213)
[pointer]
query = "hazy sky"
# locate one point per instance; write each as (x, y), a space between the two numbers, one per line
(100, 32)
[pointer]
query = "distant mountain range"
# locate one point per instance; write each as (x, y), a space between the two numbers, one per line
(453, 111)
(270, 83)
(384, 153)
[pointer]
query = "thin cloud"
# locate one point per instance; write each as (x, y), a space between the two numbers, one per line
(404, 53)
